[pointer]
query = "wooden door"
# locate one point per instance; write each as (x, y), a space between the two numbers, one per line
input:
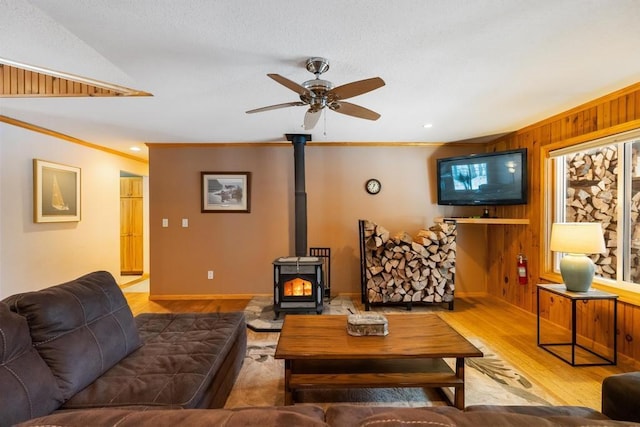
(131, 237)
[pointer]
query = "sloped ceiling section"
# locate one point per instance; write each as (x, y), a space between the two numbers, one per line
(18, 80)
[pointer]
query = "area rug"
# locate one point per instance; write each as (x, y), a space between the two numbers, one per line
(261, 317)
(488, 381)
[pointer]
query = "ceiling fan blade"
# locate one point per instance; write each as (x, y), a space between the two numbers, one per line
(275, 107)
(311, 119)
(354, 110)
(300, 90)
(352, 89)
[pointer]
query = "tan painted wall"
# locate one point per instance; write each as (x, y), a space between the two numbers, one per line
(34, 256)
(240, 247)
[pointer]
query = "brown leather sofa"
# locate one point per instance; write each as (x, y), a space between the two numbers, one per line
(78, 346)
(337, 415)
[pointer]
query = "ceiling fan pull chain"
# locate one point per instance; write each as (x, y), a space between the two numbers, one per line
(324, 116)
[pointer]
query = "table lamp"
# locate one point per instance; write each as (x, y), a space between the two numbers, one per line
(576, 239)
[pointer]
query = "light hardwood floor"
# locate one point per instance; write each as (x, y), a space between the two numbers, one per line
(507, 330)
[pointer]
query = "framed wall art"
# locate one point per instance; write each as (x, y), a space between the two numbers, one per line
(56, 192)
(226, 191)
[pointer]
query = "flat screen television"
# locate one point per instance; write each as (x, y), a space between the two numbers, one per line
(498, 178)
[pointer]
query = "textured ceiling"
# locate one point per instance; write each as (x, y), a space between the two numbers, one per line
(472, 68)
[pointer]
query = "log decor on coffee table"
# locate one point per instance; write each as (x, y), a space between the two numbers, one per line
(318, 353)
(402, 269)
(362, 325)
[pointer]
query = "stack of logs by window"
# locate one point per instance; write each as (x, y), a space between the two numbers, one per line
(402, 269)
(592, 186)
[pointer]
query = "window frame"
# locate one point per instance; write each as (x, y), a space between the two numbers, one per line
(550, 199)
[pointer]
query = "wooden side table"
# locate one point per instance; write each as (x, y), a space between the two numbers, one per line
(574, 297)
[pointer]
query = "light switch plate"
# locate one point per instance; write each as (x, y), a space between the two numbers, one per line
(185, 222)
(165, 222)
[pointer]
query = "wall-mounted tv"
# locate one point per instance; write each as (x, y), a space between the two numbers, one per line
(498, 178)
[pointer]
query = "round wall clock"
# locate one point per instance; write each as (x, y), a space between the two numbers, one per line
(373, 186)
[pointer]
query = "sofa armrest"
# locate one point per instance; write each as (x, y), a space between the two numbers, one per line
(620, 397)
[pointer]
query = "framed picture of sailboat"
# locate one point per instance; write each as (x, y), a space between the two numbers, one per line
(226, 191)
(56, 192)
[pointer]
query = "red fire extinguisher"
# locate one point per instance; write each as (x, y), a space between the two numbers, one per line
(522, 270)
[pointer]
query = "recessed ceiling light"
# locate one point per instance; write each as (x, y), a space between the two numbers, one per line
(427, 125)
(134, 148)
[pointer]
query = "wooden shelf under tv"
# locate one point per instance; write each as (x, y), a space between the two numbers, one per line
(507, 221)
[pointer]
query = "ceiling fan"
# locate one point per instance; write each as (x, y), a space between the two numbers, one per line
(318, 94)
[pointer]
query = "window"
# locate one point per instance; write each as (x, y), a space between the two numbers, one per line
(599, 181)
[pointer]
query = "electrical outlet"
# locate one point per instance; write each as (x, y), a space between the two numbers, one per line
(185, 222)
(210, 274)
(165, 222)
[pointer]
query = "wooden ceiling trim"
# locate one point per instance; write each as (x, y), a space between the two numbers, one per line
(25, 81)
(53, 133)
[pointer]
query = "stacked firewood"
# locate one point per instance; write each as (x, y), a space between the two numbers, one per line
(592, 197)
(403, 269)
(634, 264)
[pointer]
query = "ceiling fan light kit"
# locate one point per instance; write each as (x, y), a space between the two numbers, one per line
(318, 94)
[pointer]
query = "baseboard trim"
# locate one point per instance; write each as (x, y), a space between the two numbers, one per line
(133, 282)
(464, 294)
(154, 297)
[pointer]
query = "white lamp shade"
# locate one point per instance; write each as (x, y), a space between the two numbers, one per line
(577, 238)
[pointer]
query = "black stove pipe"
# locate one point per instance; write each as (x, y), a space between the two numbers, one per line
(299, 140)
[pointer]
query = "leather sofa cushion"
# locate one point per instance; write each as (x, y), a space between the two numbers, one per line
(346, 415)
(181, 354)
(80, 328)
(27, 386)
(299, 415)
(542, 411)
(353, 415)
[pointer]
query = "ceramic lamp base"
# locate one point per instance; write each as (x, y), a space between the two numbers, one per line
(577, 272)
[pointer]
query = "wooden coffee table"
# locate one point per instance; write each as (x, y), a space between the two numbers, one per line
(319, 353)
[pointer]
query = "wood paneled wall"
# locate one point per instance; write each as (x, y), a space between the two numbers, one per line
(605, 116)
(24, 82)
(19, 82)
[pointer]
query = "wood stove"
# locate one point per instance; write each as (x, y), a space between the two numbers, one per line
(298, 285)
(298, 282)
